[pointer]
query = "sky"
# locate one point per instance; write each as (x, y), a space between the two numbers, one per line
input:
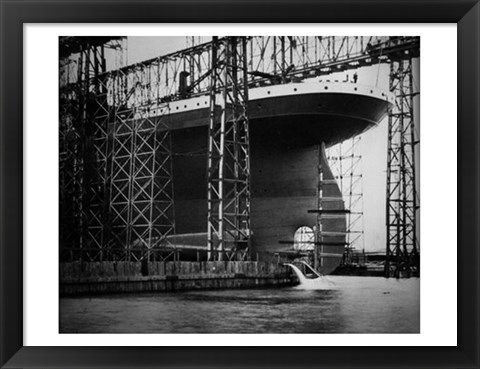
(373, 147)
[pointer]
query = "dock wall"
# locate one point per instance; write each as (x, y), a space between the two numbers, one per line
(127, 277)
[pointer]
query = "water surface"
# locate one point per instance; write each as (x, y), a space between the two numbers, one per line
(352, 305)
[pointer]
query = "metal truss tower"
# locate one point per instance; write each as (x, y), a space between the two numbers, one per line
(346, 164)
(82, 148)
(228, 151)
(402, 253)
(141, 178)
(98, 148)
(116, 187)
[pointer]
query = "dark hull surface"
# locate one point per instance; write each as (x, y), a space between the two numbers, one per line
(285, 136)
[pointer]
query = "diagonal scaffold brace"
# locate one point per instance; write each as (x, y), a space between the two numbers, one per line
(228, 152)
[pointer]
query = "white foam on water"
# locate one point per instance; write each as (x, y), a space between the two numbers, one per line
(319, 283)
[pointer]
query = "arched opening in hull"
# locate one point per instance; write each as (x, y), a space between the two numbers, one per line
(304, 238)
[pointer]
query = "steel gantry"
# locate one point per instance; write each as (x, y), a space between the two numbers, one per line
(228, 151)
(83, 145)
(116, 187)
(141, 177)
(402, 254)
(273, 59)
(115, 154)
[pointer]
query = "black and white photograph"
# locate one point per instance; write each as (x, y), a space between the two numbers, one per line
(239, 184)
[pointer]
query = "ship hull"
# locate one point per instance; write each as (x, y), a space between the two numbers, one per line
(286, 133)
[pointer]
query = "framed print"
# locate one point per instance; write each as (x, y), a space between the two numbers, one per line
(249, 199)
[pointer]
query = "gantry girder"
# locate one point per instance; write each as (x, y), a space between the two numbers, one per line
(228, 152)
(270, 60)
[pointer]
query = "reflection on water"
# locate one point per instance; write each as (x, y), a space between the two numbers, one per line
(355, 305)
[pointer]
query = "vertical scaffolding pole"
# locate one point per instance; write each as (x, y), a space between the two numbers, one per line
(228, 152)
(70, 171)
(346, 164)
(402, 253)
(330, 209)
(92, 122)
(318, 238)
(97, 152)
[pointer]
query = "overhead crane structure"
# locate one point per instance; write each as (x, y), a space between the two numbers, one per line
(120, 130)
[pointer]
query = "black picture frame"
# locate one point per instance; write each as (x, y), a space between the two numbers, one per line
(466, 13)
